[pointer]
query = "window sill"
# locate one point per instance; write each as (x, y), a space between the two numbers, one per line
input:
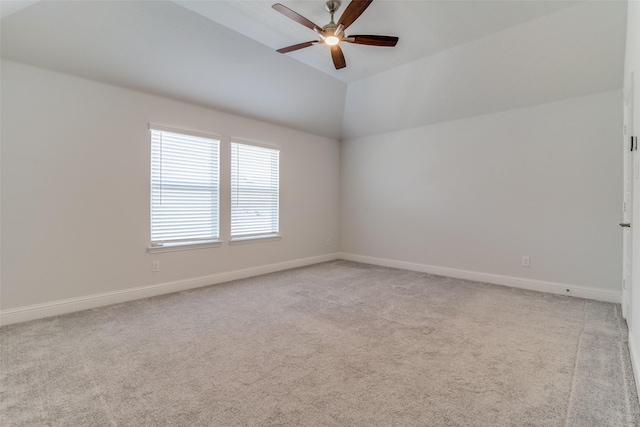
(254, 239)
(184, 247)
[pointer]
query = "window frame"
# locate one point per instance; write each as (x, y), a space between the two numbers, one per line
(185, 244)
(253, 238)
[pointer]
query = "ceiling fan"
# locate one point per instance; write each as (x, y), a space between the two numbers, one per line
(332, 34)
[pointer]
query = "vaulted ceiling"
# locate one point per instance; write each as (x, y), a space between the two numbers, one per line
(454, 59)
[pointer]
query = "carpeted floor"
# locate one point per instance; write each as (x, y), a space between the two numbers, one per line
(333, 344)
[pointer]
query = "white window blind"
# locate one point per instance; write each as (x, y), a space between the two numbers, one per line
(254, 191)
(184, 188)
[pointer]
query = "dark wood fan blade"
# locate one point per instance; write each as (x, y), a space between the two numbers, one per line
(296, 17)
(338, 57)
(297, 46)
(388, 41)
(353, 11)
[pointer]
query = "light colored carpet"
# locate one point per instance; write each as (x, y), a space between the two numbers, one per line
(332, 344)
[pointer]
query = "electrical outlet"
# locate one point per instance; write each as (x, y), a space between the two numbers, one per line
(327, 242)
(155, 266)
(525, 261)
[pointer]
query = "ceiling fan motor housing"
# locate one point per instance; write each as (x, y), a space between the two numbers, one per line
(331, 29)
(332, 6)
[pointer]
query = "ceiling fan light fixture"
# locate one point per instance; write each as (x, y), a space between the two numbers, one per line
(332, 40)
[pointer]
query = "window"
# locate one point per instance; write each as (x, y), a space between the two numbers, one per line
(184, 189)
(254, 192)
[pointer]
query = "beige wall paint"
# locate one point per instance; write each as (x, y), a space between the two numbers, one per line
(75, 189)
(477, 194)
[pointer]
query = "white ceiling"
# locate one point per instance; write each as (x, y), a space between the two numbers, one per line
(424, 27)
(221, 54)
(577, 51)
(9, 7)
(162, 48)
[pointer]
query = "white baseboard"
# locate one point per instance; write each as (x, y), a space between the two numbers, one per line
(54, 308)
(496, 279)
(635, 362)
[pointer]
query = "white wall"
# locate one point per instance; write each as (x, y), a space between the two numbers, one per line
(632, 65)
(475, 195)
(75, 190)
